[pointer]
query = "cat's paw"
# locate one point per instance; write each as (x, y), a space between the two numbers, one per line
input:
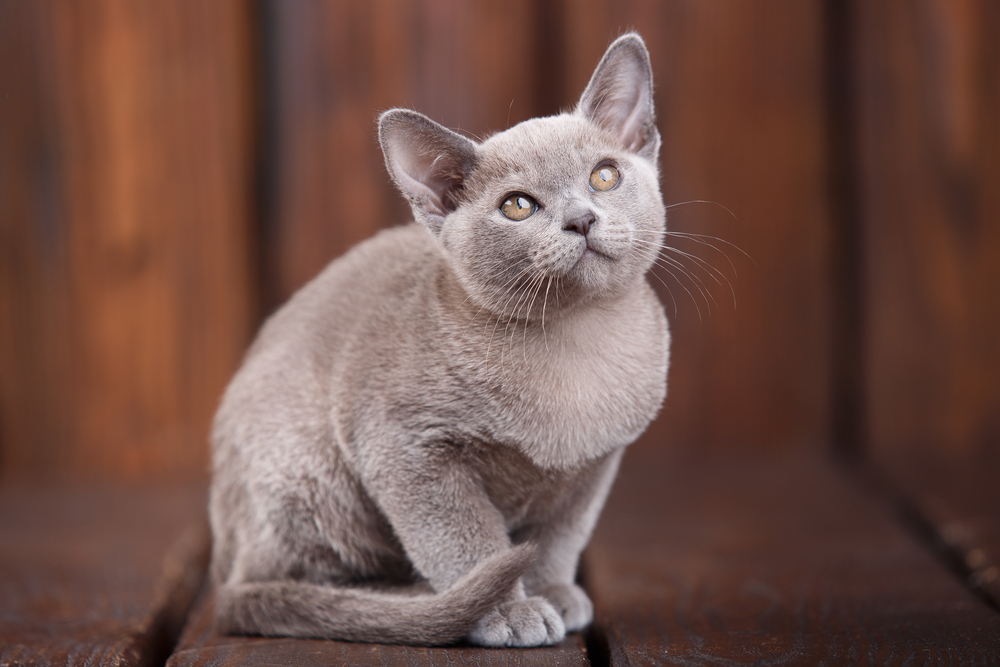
(572, 603)
(530, 622)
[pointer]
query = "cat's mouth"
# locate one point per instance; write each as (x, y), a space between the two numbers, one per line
(591, 258)
(590, 251)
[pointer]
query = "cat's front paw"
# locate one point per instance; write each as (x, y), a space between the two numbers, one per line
(530, 622)
(572, 603)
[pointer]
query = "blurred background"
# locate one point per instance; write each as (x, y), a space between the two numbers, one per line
(170, 172)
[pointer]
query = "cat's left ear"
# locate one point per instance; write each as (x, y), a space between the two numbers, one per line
(427, 161)
(619, 97)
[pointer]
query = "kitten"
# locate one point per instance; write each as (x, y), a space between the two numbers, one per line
(419, 442)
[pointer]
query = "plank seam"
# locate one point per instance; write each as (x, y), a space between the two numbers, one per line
(185, 570)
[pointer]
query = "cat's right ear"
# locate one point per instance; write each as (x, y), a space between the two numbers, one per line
(427, 161)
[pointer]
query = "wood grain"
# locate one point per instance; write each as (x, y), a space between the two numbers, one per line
(201, 647)
(927, 103)
(967, 536)
(97, 575)
(770, 560)
(125, 273)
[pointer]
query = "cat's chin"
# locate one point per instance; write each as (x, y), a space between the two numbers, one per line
(594, 265)
(589, 281)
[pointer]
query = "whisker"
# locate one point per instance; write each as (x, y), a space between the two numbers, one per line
(699, 284)
(496, 325)
(703, 239)
(668, 264)
(497, 291)
(510, 297)
(492, 295)
(545, 302)
(702, 201)
(524, 338)
(691, 236)
(522, 292)
(654, 242)
(670, 292)
(716, 275)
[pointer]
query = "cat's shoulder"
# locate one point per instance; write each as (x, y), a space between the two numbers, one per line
(370, 266)
(372, 272)
(386, 252)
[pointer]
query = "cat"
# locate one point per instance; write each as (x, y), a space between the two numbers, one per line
(418, 444)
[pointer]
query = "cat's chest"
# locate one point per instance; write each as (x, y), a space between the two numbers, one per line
(576, 393)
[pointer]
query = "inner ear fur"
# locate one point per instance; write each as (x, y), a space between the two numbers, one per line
(427, 161)
(619, 97)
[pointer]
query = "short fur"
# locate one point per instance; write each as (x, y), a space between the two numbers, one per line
(452, 389)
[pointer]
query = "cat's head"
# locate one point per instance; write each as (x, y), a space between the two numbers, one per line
(567, 205)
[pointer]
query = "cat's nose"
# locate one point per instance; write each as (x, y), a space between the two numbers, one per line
(580, 224)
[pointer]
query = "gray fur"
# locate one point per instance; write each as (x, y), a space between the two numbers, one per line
(451, 389)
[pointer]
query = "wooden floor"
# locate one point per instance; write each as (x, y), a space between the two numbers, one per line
(718, 560)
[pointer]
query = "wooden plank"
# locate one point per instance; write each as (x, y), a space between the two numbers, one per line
(201, 647)
(34, 285)
(927, 102)
(967, 535)
(332, 67)
(94, 575)
(125, 172)
(741, 107)
(770, 560)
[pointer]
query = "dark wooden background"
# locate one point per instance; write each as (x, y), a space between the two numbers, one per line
(171, 172)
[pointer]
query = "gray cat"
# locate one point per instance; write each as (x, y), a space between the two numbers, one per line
(419, 442)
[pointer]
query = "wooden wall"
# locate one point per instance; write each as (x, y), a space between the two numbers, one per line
(126, 245)
(927, 109)
(170, 172)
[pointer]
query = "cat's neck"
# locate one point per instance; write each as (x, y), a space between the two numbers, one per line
(532, 306)
(567, 389)
(557, 330)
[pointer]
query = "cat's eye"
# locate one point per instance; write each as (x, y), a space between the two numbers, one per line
(604, 178)
(518, 207)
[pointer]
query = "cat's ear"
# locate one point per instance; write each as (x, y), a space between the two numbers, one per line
(427, 161)
(619, 97)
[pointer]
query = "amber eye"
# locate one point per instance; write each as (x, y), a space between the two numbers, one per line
(518, 207)
(604, 178)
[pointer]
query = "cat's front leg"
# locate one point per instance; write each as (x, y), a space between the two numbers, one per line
(561, 535)
(447, 524)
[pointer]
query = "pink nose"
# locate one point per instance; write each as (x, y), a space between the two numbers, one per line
(580, 224)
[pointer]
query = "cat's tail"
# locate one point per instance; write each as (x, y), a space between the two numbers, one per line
(295, 609)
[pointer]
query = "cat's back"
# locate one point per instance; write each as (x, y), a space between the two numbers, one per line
(284, 381)
(380, 273)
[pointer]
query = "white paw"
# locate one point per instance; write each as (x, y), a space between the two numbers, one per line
(531, 622)
(572, 603)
